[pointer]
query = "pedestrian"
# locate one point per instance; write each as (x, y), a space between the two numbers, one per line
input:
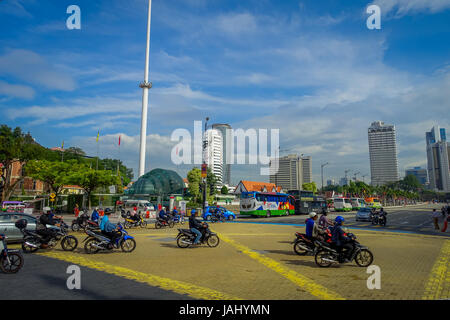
(435, 216)
(446, 219)
(76, 210)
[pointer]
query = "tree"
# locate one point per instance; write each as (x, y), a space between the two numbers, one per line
(54, 173)
(310, 187)
(15, 146)
(196, 186)
(75, 150)
(224, 190)
(90, 179)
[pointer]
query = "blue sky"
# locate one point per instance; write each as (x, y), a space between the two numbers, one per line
(310, 68)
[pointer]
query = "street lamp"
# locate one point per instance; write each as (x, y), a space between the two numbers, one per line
(321, 170)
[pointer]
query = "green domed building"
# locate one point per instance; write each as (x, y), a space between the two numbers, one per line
(158, 182)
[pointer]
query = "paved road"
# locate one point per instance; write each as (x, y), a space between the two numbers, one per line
(45, 278)
(415, 219)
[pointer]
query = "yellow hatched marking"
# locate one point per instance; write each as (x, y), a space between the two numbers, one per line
(303, 282)
(180, 287)
(438, 285)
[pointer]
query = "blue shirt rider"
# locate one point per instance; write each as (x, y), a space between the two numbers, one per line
(95, 215)
(163, 215)
(108, 229)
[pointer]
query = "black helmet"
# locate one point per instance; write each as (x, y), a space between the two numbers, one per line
(21, 224)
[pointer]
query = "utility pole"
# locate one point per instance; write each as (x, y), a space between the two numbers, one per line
(356, 174)
(321, 171)
(145, 88)
(205, 183)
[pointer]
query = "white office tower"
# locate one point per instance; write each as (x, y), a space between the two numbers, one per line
(225, 130)
(214, 154)
(383, 153)
(293, 172)
(438, 154)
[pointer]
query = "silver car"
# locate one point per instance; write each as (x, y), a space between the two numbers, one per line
(364, 214)
(8, 225)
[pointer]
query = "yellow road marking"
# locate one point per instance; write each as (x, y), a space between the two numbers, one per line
(438, 285)
(180, 287)
(303, 282)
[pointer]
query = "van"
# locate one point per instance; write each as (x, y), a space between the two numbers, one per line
(342, 204)
(142, 205)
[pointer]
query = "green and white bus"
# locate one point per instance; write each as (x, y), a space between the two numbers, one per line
(266, 204)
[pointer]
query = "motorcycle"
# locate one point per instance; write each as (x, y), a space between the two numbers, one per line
(186, 237)
(303, 245)
(80, 222)
(178, 219)
(160, 223)
(382, 220)
(95, 241)
(129, 222)
(32, 240)
(374, 218)
(216, 217)
(327, 255)
(11, 261)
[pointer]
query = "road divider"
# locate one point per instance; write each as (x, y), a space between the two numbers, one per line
(438, 284)
(303, 282)
(176, 286)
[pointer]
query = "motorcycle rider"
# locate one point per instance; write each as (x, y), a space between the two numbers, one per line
(95, 215)
(341, 241)
(383, 214)
(195, 226)
(110, 230)
(163, 215)
(324, 222)
(41, 226)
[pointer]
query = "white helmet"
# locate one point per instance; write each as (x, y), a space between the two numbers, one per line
(312, 214)
(46, 209)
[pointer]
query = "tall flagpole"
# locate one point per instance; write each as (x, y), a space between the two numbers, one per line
(145, 87)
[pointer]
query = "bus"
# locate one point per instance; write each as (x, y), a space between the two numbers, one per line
(342, 204)
(357, 203)
(266, 204)
(373, 202)
(319, 205)
(304, 201)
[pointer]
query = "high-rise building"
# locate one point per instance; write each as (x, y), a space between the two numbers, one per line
(343, 182)
(293, 172)
(306, 164)
(331, 182)
(383, 153)
(225, 130)
(213, 153)
(438, 154)
(420, 173)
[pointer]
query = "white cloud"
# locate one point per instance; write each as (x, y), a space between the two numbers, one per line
(400, 8)
(18, 91)
(32, 68)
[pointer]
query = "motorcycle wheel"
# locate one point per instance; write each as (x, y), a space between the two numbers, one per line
(157, 225)
(171, 224)
(213, 241)
(126, 225)
(16, 263)
(144, 224)
(75, 227)
(69, 243)
(89, 248)
(230, 218)
(28, 249)
(322, 254)
(128, 245)
(181, 241)
(298, 250)
(364, 258)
